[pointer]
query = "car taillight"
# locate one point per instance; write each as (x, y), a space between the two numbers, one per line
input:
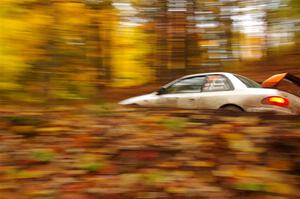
(276, 100)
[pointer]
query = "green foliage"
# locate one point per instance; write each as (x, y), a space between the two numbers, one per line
(154, 177)
(43, 155)
(25, 120)
(102, 109)
(7, 9)
(294, 6)
(251, 187)
(25, 174)
(174, 123)
(92, 166)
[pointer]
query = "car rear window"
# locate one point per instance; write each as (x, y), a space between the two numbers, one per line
(248, 82)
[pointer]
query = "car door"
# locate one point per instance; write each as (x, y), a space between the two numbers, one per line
(184, 93)
(217, 91)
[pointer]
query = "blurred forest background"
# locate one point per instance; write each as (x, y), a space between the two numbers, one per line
(72, 49)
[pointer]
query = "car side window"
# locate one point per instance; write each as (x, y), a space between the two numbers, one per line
(188, 85)
(217, 83)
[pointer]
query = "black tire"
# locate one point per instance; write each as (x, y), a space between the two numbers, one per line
(232, 108)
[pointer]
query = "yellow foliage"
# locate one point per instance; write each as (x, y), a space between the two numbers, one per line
(19, 38)
(26, 32)
(68, 14)
(129, 52)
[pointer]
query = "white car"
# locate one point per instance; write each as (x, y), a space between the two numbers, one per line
(227, 91)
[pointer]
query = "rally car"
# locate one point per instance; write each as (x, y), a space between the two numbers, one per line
(226, 91)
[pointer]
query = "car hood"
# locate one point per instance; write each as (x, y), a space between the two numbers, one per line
(274, 80)
(136, 100)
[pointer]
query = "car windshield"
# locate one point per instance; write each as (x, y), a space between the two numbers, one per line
(248, 82)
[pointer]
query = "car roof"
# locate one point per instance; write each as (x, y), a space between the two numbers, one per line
(210, 73)
(235, 81)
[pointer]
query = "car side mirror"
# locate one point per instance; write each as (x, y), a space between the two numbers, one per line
(161, 91)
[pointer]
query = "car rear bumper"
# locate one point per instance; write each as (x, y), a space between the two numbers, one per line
(276, 110)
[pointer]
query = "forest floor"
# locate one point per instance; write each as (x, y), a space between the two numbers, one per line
(106, 151)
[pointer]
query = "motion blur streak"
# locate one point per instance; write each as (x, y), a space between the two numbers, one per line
(67, 49)
(64, 65)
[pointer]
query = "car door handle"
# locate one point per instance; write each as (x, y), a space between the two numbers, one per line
(191, 99)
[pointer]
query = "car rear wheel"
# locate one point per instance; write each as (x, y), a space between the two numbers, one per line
(231, 108)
